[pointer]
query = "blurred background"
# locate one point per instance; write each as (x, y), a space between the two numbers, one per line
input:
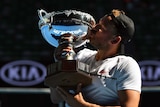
(21, 39)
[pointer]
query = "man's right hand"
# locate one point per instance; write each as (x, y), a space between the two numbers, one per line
(65, 49)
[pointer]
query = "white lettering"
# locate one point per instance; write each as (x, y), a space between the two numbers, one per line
(33, 73)
(157, 73)
(13, 73)
(60, 32)
(143, 73)
(150, 73)
(24, 72)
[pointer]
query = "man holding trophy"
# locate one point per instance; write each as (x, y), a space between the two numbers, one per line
(91, 78)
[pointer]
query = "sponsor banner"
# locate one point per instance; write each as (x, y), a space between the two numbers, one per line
(150, 71)
(28, 73)
(23, 73)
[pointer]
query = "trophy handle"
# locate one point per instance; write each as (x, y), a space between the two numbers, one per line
(44, 17)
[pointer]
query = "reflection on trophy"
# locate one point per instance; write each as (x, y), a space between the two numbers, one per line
(66, 29)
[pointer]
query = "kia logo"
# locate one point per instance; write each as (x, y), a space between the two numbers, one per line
(23, 73)
(150, 71)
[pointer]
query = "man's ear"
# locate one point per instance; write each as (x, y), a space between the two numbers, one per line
(116, 40)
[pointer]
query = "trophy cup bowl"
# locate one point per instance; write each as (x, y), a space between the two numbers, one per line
(61, 28)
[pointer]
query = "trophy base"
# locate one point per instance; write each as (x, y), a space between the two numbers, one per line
(67, 73)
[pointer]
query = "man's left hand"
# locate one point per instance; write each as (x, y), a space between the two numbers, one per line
(72, 100)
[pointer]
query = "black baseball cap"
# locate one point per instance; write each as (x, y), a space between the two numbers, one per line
(124, 24)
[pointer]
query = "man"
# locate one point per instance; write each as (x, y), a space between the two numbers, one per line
(116, 78)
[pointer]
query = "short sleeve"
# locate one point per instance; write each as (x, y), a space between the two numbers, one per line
(129, 75)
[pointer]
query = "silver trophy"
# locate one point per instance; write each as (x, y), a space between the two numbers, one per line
(66, 28)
